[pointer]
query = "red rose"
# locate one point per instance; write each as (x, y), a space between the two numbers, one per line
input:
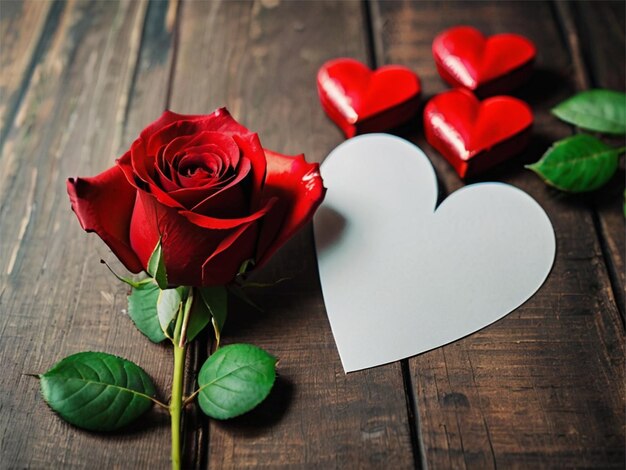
(206, 187)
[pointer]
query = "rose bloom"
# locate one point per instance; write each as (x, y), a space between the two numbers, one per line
(207, 189)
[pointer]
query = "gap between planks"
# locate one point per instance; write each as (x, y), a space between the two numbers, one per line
(373, 30)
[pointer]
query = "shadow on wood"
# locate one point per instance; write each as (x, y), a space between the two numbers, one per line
(264, 416)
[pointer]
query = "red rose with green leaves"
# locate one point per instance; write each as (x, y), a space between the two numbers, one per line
(205, 187)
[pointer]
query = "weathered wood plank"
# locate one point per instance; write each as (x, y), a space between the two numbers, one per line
(22, 26)
(544, 386)
(55, 297)
(601, 48)
(148, 94)
(260, 59)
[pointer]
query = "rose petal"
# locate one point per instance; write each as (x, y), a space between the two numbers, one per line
(167, 118)
(185, 246)
(104, 204)
(251, 148)
(166, 161)
(228, 200)
(299, 189)
(223, 265)
(126, 166)
(125, 163)
(206, 157)
(142, 164)
(164, 172)
(223, 224)
(227, 145)
(220, 121)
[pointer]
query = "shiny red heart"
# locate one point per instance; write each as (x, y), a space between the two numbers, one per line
(360, 100)
(473, 135)
(488, 66)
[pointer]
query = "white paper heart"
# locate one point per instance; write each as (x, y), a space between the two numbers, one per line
(400, 278)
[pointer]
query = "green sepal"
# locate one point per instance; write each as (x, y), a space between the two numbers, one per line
(156, 266)
(595, 110)
(142, 309)
(234, 380)
(97, 391)
(213, 306)
(125, 280)
(168, 305)
(577, 164)
(246, 266)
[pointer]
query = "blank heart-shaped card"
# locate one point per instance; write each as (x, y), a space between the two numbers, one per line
(401, 276)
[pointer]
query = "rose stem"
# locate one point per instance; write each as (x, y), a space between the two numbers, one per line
(176, 404)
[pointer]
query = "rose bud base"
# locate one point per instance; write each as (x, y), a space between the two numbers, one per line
(475, 136)
(360, 100)
(465, 58)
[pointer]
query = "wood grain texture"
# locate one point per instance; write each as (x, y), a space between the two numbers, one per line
(55, 296)
(543, 387)
(22, 30)
(260, 59)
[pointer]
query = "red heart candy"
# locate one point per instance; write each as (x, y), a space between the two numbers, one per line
(360, 100)
(474, 135)
(488, 66)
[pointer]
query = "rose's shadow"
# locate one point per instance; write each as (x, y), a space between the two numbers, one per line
(543, 86)
(513, 168)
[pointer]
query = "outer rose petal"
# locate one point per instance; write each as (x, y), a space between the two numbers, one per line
(166, 119)
(192, 252)
(104, 204)
(299, 189)
(251, 147)
(223, 265)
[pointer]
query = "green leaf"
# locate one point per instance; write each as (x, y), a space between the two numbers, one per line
(168, 305)
(97, 391)
(577, 164)
(235, 379)
(142, 309)
(215, 300)
(596, 110)
(156, 266)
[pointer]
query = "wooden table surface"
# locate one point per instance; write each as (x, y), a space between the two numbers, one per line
(541, 388)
